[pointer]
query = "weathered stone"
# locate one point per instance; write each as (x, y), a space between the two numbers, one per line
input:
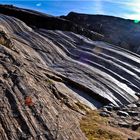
(123, 117)
(135, 125)
(104, 109)
(116, 108)
(104, 114)
(109, 108)
(131, 139)
(136, 119)
(124, 124)
(137, 94)
(122, 113)
(133, 113)
(132, 106)
(112, 105)
(125, 109)
(138, 104)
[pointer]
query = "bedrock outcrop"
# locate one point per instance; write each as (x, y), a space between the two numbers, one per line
(64, 74)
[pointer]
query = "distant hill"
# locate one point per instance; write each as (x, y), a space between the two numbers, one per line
(118, 31)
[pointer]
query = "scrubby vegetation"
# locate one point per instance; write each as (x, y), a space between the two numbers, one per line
(82, 107)
(95, 127)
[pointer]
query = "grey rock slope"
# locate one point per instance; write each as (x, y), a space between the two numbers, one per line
(65, 74)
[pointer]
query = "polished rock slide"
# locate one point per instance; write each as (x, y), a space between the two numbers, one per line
(64, 74)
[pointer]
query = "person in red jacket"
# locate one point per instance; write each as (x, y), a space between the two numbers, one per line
(28, 101)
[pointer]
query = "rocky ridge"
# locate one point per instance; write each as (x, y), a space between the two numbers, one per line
(121, 32)
(64, 72)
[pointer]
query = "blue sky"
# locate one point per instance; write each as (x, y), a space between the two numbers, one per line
(121, 8)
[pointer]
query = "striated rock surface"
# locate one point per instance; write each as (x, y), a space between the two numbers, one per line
(121, 32)
(64, 74)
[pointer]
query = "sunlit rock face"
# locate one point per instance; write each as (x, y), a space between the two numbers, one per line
(121, 32)
(64, 73)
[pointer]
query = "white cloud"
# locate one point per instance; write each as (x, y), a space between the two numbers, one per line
(98, 7)
(39, 4)
(133, 6)
(132, 16)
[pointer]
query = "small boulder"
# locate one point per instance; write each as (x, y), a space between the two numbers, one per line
(109, 108)
(105, 109)
(132, 106)
(122, 117)
(104, 114)
(116, 108)
(122, 113)
(135, 126)
(125, 109)
(133, 113)
(137, 94)
(130, 139)
(138, 104)
(110, 104)
(136, 119)
(124, 124)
